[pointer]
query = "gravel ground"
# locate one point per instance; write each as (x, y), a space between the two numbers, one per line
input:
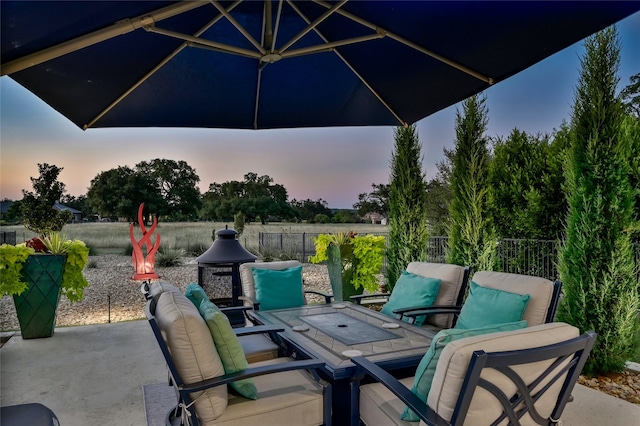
(112, 296)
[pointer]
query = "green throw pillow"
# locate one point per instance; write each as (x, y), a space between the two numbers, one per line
(427, 367)
(412, 290)
(486, 306)
(279, 289)
(228, 347)
(196, 294)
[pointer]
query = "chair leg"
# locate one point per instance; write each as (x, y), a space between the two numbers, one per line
(174, 413)
(174, 417)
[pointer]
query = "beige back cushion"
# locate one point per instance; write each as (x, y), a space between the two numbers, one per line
(484, 408)
(192, 350)
(451, 277)
(246, 274)
(160, 286)
(540, 289)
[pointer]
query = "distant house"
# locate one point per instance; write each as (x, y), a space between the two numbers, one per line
(376, 218)
(77, 214)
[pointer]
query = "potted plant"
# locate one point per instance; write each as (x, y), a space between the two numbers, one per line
(36, 273)
(353, 261)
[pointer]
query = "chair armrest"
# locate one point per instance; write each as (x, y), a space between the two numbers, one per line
(358, 298)
(254, 304)
(423, 411)
(431, 310)
(234, 309)
(327, 297)
(258, 329)
(428, 309)
(251, 372)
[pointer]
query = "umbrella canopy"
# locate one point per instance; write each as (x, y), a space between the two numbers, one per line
(279, 64)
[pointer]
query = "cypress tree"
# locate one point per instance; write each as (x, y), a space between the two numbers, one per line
(408, 232)
(471, 238)
(596, 261)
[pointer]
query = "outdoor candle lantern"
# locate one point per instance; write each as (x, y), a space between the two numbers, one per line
(225, 255)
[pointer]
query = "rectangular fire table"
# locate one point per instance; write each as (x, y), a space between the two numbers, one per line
(334, 333)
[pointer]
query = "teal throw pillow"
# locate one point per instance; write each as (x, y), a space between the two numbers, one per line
(228, 347)
(196, 294)
(427, 367)
(412, 290)
(279, 289)
(486, 306)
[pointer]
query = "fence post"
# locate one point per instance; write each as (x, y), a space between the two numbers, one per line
(304, 247)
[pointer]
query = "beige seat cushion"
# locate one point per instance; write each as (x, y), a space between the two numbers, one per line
(454, 360)
(540, 289)
(380, 407)
(288, 398)
(192, 350)
(258, 347)
(451, 277)
(246, 275)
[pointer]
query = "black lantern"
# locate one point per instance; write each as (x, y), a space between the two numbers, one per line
(226, 255)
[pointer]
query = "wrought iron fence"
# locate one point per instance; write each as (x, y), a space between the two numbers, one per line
(294, 245)
(8, 237)
(527, 257)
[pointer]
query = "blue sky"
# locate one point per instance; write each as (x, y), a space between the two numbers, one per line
(335, 164)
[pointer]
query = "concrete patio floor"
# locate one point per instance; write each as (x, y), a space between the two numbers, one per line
(93, 375)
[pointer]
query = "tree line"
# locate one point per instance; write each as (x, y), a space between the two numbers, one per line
(169, 190)
(522, 175)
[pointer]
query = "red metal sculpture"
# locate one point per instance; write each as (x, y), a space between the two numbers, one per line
(144, 265)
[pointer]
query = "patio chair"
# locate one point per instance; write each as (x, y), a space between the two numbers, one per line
(278, 391)
(453, 285)
(544, 296)
(516, 377)
(275, 285)
(256, 345)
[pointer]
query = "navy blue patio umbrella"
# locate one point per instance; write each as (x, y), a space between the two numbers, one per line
(279, 63)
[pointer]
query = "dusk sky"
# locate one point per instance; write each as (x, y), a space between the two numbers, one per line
(335, 164)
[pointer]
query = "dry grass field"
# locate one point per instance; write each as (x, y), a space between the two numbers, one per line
(113, 237)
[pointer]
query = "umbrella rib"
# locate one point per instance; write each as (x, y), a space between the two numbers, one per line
(255, 110)
(267, 27)
(200, 42)
(239, 27)
(275, 31)
(154, 69)
(119, 28)
(313, 25)
(371, 89)
(330, 45)
(411, 44)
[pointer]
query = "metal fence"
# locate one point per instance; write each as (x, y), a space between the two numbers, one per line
(8, 237)
(527, 257)
(298, 246)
